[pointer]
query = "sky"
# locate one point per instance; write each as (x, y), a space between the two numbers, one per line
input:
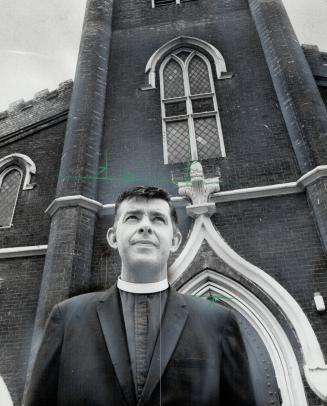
(39, 41)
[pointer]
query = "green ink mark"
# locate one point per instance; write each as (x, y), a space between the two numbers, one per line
(213, 298)
(103, 173)
(105, 167)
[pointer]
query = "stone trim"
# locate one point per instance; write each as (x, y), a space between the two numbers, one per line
(279, 189)
(22, 161)
(280, 350)
(314, 367)
(150, 69)
(258, 192)
(73, 201)
(33, 128)
(17, 252)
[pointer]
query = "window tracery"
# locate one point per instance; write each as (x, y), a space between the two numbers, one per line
(190, 117)
(10, 182)
(16, 171)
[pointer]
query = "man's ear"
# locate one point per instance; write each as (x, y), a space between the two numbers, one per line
(111, 238)
(176, 241)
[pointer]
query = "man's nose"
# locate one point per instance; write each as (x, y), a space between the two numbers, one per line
(145, 226)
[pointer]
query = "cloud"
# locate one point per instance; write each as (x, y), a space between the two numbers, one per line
(25, 53)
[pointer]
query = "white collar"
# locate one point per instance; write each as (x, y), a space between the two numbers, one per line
(142, 287)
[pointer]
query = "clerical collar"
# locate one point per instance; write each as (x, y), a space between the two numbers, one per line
(142, 287)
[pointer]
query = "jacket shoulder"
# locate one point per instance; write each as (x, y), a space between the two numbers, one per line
(80, 303)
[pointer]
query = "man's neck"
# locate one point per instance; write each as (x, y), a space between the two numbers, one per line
(143, 275)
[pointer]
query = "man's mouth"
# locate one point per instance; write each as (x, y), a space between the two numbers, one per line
(144, 242)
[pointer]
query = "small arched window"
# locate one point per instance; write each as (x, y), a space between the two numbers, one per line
(190, 117)
(10, 181)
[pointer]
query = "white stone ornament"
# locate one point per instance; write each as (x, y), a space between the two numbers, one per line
(199, 189)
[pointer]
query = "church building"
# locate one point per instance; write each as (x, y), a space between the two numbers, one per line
(216, 102)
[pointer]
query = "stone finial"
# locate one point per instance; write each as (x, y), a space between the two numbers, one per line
(199, 189)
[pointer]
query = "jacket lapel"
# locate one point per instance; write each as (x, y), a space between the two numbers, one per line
(111, 320)
(172, 326)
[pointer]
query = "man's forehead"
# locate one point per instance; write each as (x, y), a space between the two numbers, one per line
(144, 205)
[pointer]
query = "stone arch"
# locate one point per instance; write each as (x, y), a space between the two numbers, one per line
(150, 69)
(314, 366)
(24, 163)
(265, 324)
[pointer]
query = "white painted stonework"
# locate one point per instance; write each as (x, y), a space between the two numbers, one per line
(278, 346)
(25, 163)
(261, 318)
(150, 69)
(314, 364)
(28, 251)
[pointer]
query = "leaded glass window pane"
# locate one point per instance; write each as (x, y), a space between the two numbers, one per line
(202, 105)
(8, 196)
(178, 142)
(198, 76)
(175, 109)
(206, 135)
(173, 80)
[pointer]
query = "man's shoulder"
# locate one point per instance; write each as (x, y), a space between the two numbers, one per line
(81, 302)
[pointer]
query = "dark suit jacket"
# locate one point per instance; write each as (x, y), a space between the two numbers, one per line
(199, 358)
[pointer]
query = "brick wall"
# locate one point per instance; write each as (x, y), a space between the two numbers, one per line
(257, 145)
(30, 223)
(18, 300)
(38, 132)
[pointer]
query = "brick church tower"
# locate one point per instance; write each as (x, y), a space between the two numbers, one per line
(216, 102)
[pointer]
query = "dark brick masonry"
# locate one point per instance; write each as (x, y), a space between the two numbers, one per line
(38, 132)
(262, 113)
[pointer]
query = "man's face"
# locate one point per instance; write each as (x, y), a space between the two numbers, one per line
(144, 234)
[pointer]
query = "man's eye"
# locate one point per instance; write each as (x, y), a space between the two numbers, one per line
(160, 219)
(131, 217)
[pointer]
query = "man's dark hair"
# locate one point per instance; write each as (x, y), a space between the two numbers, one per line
(147, 192)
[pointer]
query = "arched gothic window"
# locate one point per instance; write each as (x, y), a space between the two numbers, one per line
(10, 181)
(13, 169)
(190, 117)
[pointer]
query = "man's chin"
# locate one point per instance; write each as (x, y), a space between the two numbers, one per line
(146, 261)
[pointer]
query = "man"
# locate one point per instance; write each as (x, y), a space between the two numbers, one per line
(141, 342)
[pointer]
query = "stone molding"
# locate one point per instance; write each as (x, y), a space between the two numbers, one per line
(258, 192)
(73, 201)
(23, 162)
(29, 251)
(315, 368)
(150, 69)
(38, 126)
(199, 189)
(280, 350)
(279, 189)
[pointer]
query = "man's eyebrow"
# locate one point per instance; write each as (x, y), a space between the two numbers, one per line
(158, 213)
(133, 211)
(152, 212)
